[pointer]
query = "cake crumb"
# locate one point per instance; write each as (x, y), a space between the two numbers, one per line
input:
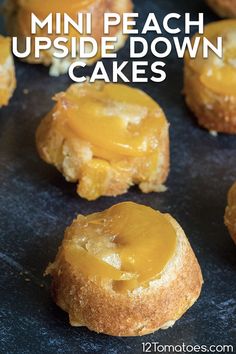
(27, 279)
(25, 91)
(213, 133)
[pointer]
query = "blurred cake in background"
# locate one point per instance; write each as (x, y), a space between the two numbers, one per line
(223, 8)
(7, 71)
(18, 15)
(230, 212)
(210, 83)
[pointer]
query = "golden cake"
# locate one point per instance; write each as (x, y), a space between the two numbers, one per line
(210, 84)
(7, 71)
(106, 137)
(18, 14)
(230, 212)
(126, 271)
(223, 8)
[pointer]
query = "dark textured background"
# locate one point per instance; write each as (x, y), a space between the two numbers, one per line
(36, 205)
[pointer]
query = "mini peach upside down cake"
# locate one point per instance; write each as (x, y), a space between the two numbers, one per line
(18, 15)
(210, 83)
(7, 71)
(126, 271)
(107, 137)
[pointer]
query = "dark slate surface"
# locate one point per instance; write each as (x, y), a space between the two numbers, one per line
(36, 205)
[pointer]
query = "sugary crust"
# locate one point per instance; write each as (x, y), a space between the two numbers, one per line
(214, 111)
(60, 66)
(230, 212)
(101, 309)
(224, 8)
(73, 157)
